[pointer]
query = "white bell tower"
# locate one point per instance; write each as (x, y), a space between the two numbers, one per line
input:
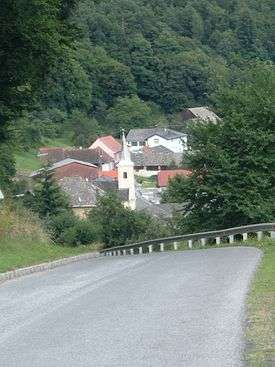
(126, 175)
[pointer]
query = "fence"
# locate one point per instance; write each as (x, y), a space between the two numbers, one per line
(225, 235)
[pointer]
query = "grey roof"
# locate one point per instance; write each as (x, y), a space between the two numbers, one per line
(84, 194)
(157, 156)
(161, 211)
(204, 113)
(107, 184)
(81, 193)
(143, 134)
(96, 156)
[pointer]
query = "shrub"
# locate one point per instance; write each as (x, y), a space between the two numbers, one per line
(118, 225)
(60, 223)
(67, 229)
(82, 233)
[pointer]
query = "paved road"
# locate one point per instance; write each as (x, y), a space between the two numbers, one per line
(170, 309)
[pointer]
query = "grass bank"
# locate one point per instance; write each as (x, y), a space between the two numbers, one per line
(261, 311)
(24, 242)
(23, 252)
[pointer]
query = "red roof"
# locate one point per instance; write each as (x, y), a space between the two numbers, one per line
(112, 174)
(165, 176)
(111, 143)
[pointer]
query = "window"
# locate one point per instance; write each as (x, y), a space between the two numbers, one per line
(134, 143)
(124, 174)
(142, 143)
(156, 140)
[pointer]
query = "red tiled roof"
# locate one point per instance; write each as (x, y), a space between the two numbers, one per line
(111, 143)
(111, 174)
(164, 176)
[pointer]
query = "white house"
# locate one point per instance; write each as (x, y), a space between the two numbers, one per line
(170, 139)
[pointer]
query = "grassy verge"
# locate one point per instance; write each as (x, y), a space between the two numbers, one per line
(24, 241)
(261, 312)
(17, 253)
(260, 332)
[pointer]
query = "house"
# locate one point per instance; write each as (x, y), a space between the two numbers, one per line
(159, 136)
(82, 194)
(84, 191)
(71, 168)
(199, 113)
(164, 176)
(148, 161)
(107, 144)
(95, 156)
(51, 155)
(112, 174)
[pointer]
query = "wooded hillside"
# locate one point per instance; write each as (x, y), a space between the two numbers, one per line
(90, 67)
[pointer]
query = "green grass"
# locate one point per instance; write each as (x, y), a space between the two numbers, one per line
(261, 312)
(64, 142)
(17, 253)
(147, 182)
(26, 162)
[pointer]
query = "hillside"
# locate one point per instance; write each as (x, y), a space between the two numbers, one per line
(138, 63)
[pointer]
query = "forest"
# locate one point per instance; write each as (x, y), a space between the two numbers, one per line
(98, 66)
(75, 69)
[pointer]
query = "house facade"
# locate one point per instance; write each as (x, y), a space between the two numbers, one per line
(107, 144)
(71, 168)
(170, 139)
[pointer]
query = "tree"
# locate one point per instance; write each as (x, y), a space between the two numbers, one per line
(187, 79)
(48, 199)
(246, 31)
(110, 78)
(67, 87)
(32, 35)
(118, 225)
(233, 162)
(85, 129)
(7, 167)
(128, 113)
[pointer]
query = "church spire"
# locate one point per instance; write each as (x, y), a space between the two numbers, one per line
(126, 174)
(125, 154)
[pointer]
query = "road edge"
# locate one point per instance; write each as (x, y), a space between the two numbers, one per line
(17, 273)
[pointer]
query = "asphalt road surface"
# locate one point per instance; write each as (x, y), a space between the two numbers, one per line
(164, 309)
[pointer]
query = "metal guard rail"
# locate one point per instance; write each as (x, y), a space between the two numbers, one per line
(229, 233)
